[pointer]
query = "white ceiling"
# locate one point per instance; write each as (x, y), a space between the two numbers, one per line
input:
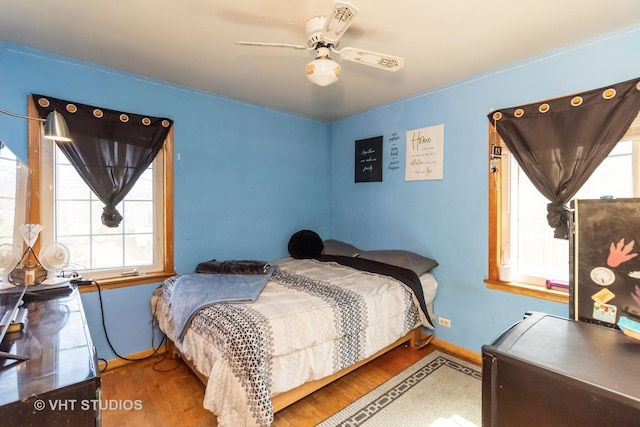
(192, 42)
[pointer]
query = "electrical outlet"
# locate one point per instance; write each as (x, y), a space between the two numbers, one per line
(444, 322)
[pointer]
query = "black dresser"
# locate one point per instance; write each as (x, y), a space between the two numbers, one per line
(60, 383)
(551, 371)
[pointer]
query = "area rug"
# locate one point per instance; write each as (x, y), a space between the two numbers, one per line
(437, 391)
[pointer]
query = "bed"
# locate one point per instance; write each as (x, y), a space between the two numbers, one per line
(314, 320)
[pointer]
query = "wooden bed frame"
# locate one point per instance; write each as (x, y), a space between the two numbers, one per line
(416, 339)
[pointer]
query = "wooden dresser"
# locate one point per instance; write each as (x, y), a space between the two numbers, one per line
(60, 383)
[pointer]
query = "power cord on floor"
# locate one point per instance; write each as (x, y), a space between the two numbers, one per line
(106, 364)
(129, 359)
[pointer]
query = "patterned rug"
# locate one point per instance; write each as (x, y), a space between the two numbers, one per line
(437, 391)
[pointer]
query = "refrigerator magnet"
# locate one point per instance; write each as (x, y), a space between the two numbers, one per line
(605, 312)
(603, 296)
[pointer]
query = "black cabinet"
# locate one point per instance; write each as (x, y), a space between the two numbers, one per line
(551, 371)
(60, 383)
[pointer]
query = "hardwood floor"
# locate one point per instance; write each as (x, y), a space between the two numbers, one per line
(171, 398)
(174, 398)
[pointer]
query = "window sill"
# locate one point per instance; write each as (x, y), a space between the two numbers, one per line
(529, 290)
(123, 282)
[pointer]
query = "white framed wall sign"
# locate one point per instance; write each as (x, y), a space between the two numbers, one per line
(425, 153)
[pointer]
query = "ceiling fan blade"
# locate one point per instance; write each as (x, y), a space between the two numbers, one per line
(374, 59)
(338, 22)
(293, 46)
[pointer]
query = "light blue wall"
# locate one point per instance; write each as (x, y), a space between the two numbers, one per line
(448, 219)
(243, 183)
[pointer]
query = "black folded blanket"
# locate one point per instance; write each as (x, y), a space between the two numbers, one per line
(233, 267)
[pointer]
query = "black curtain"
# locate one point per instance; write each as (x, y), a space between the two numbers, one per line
(109, 149)
(560, 142)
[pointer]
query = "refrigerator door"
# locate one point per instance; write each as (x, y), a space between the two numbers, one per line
(604, 261)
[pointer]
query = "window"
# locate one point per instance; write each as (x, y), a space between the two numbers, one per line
(522, 250)
(7, 194)
(70, 214)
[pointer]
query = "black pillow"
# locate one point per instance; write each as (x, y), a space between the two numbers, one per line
(305, 244)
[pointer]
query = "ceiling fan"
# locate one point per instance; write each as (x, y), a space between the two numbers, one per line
(323, 36)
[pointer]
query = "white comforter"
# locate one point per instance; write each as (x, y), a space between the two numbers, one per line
(311, 320)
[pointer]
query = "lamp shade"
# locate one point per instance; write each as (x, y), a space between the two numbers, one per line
(56, 127)
(323, 71)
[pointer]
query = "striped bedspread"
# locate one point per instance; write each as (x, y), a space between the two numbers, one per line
(311, 320)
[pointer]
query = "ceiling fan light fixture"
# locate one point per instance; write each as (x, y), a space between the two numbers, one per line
(323, 70)
(323, 35)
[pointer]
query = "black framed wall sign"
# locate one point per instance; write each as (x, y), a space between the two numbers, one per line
(368, 160)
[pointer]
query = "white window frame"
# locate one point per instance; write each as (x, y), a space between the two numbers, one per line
(48, 214)
(508, 271)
